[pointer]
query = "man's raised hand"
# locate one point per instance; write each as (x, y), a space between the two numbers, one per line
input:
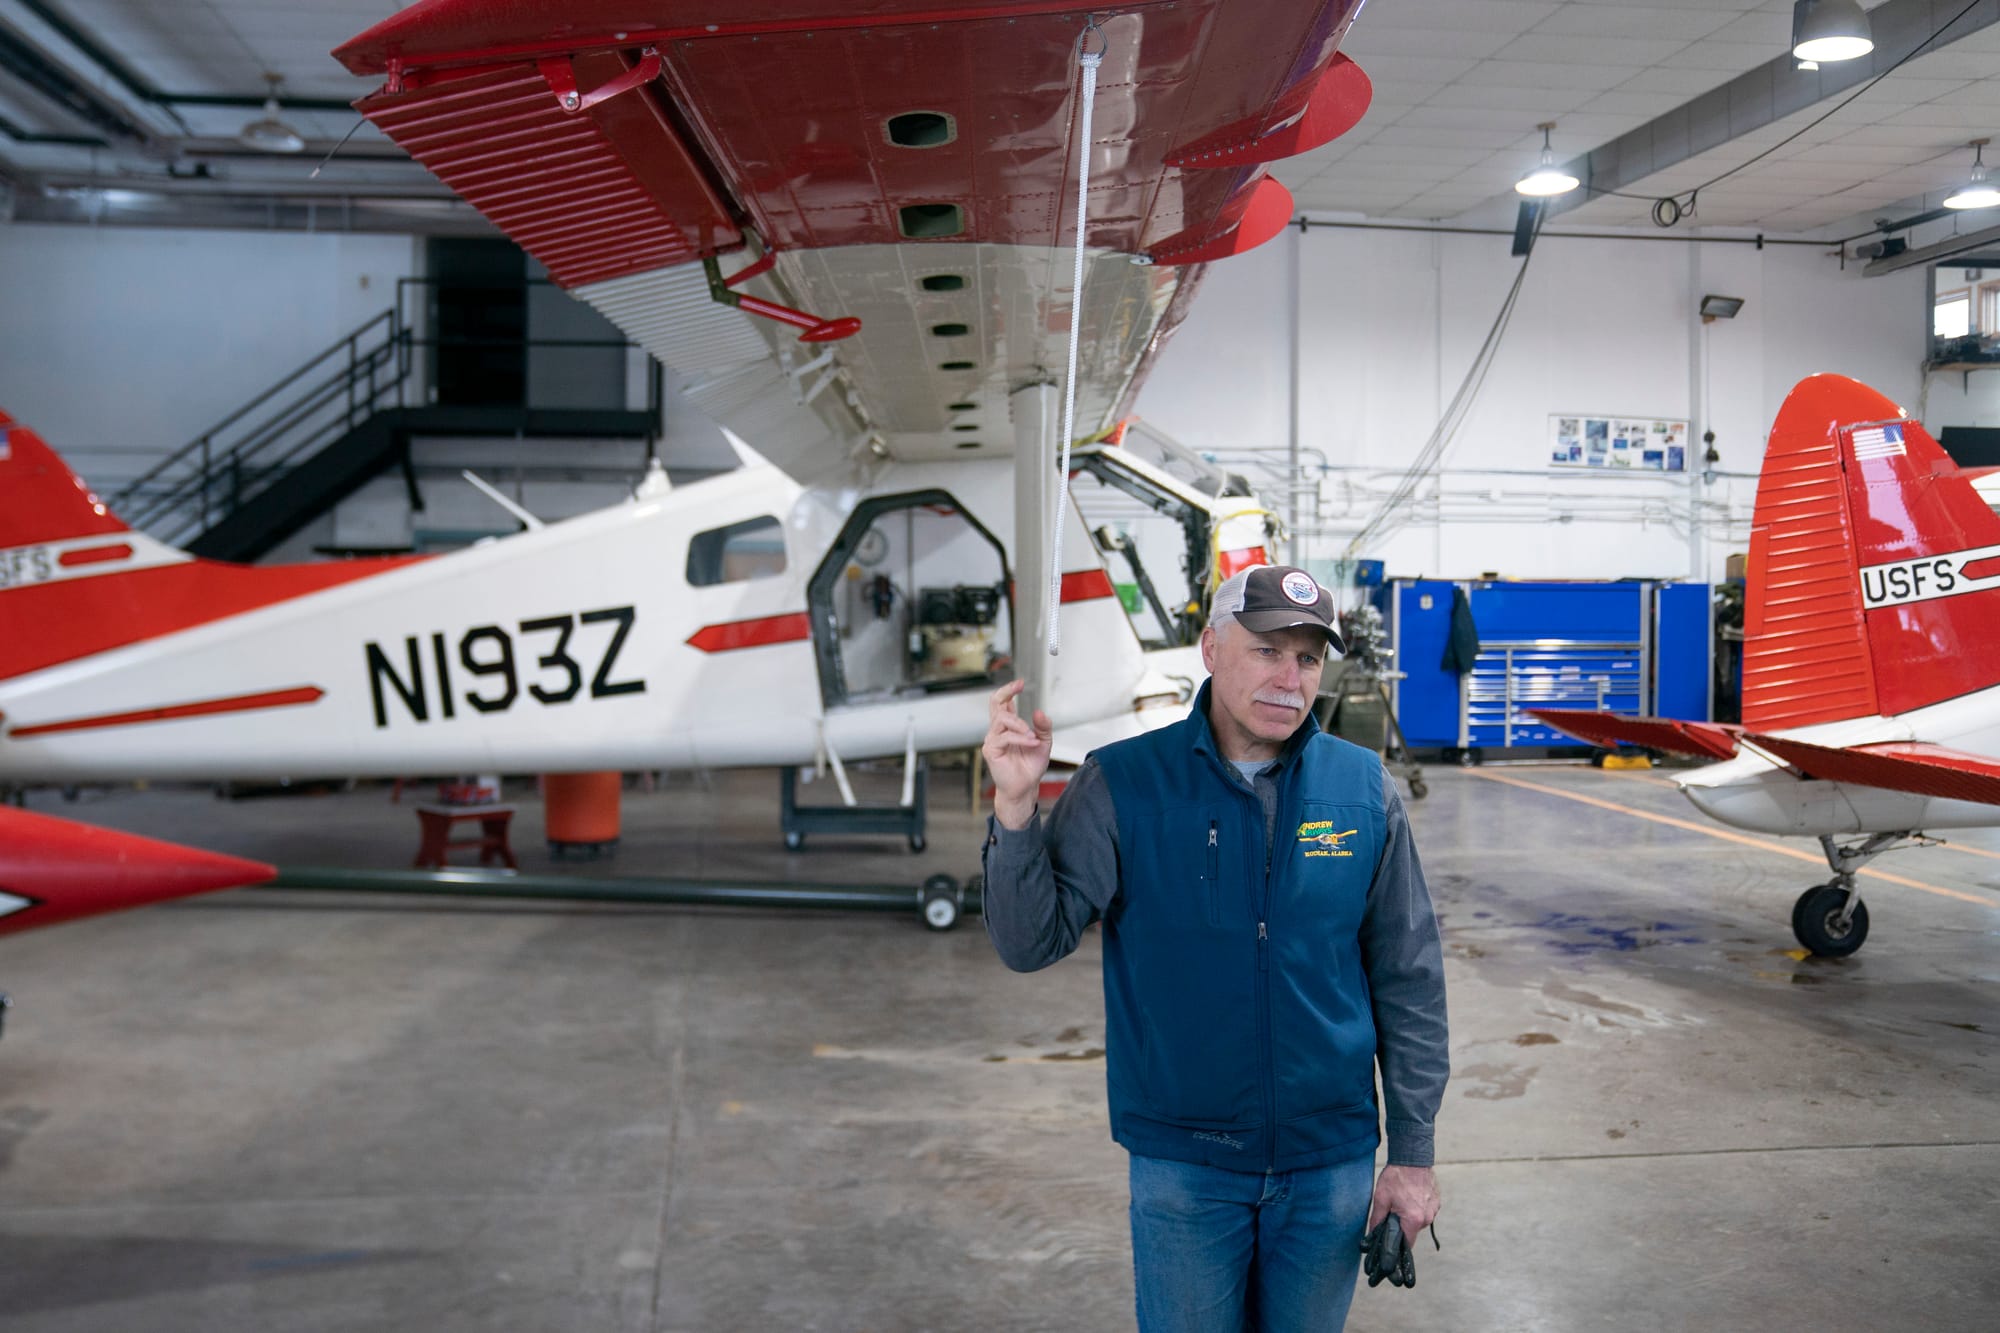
(1017, 755)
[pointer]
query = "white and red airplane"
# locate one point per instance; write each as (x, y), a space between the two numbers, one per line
(1871, 652)
(704, 173)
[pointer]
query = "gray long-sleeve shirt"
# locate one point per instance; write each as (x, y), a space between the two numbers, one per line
(1046, 883)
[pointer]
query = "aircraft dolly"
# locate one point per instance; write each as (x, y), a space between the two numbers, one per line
(939, 901)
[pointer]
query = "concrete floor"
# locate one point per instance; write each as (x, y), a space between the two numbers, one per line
(293, 1112)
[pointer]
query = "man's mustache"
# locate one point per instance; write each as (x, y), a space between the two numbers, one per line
(1280, 699)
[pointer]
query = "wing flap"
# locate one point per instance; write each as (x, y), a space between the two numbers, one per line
(1925, 770)
(1705, 740)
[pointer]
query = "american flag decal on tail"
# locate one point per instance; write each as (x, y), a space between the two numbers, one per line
(1878, 442)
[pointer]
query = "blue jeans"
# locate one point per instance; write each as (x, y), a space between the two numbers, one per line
(1217, 1251)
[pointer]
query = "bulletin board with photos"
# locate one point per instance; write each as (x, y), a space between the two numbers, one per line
(1618, 444)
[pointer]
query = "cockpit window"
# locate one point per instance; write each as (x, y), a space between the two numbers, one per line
(752, 549)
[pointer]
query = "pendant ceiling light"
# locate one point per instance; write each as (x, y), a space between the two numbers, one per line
(1547, 179)
(1977, 192)
(1830, 30)
(269, 134)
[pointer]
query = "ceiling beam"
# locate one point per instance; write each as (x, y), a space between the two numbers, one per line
(1768, 93)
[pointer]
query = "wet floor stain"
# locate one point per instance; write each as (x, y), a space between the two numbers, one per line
(1537, 1039)
(1574, 933)
(1556, 990)
(1496, 1083)
(1963, 1027)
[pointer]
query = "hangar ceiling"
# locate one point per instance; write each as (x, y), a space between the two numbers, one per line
(1657, 96)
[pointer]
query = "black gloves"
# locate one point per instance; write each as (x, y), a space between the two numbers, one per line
(1385, 1253)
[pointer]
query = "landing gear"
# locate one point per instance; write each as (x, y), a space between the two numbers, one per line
(5, 1005)
(1830, 919)
(942, 900)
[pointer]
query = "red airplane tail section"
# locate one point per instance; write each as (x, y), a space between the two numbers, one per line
(75, 580)
(41, 500)
(1874, 575)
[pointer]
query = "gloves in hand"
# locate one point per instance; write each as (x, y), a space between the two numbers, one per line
(1386, 1253)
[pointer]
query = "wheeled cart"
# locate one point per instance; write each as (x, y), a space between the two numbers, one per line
(906, 820)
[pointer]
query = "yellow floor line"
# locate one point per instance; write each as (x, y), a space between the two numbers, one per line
(1762, 844)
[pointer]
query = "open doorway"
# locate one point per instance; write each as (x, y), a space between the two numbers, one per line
(913, 599)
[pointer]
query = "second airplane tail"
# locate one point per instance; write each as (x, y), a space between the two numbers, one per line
(1874, 573)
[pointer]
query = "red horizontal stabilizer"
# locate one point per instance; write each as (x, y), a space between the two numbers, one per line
(53, 870)
(1706, 740)
(1926, 770)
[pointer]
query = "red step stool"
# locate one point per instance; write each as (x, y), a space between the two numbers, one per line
(437, 822)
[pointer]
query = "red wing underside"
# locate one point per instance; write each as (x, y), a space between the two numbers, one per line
(1707, 740)
(1925, 770)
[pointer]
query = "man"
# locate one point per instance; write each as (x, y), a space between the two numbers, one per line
(1268, 938)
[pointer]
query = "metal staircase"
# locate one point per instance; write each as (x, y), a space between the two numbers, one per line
(310, 440)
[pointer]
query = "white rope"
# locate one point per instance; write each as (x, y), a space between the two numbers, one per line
(1090, 60)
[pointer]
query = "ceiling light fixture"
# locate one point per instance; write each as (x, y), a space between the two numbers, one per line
(271, 135)
(1547, 179)
(1830, 30)
(1977, 192)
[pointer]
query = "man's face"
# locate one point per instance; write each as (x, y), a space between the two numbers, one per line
(1262, 685)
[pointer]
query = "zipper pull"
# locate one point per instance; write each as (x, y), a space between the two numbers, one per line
(1211, 833)
(1260, 932)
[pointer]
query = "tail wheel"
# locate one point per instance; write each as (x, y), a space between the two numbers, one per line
(1817, 924)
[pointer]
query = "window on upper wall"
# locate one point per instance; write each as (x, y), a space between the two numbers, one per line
(1951, 316)
(752, 549)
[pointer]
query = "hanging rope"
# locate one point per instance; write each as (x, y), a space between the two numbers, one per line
(1090, 60)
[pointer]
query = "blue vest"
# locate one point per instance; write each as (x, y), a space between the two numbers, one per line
(1238, 1027)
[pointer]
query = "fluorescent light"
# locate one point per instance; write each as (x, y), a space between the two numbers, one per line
(1547, 179)
(1977, 192)
(1830, 30)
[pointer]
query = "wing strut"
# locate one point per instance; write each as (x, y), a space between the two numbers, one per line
(1034, 408)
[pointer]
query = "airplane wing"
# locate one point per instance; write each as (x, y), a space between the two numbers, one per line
(909, 165)
(1927, 770)
(1706, 740)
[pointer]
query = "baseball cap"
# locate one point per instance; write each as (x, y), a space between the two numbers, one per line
(1274, 597)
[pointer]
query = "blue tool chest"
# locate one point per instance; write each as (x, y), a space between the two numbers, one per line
(1632, 647)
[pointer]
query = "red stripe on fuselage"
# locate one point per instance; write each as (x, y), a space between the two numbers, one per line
(240, 703)
(48, 623)
(1083, 585)
(758, 633)
(95, 555)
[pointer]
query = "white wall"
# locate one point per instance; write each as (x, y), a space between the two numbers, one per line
(1389, 321)
(121, 344)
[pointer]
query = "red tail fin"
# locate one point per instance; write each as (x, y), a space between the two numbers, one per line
(74, 580)
(1874, 580)
(41, 500)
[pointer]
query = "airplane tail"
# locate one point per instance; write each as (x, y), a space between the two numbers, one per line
(41, 500)
(1874, 574)
(75, 580)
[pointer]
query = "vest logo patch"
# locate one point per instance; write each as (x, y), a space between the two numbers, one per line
(1317, 838)
(1208, 1136)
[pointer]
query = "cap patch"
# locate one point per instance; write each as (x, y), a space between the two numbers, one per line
(1300, 588)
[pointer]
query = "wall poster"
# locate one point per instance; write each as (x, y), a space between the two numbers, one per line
(1628, 444)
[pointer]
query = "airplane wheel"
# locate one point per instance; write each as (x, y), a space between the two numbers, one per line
(1816, 922)
(939, 898)
(917, 843)
(1419, 789)
(794, 841)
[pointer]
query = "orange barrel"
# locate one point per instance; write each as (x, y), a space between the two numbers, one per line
(581, 809)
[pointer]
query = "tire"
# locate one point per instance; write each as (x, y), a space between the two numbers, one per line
(939, 902)
(1419, 789)
(794, 841)
(917, 843)
(1815, 921)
